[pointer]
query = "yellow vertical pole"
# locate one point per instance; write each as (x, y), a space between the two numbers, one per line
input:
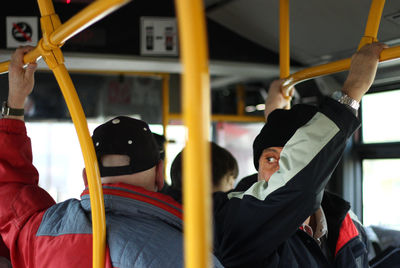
(54, 59)
(92, 169)
(165, 113)
(240, 99)
(284, 43)
(46, 7)
(196, 110)
(284, 35)
(374, 19)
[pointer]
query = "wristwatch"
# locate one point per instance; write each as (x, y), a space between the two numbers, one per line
(343, 98)
(5, 110)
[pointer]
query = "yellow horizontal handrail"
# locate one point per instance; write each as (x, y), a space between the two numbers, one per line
(32, 56)
(116, 72)
(225, 117)
(86, 17)
(330, 68)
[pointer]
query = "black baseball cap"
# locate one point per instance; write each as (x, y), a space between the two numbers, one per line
(280, 127)
(124, 135)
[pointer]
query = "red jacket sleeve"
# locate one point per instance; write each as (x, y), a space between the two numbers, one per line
(21, 197)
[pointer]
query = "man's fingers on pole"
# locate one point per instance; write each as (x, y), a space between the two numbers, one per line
(381, 47)
(30, 69)
(26, 49)
(378, 47)
(18, 56)
(292, 89)
(17, 59)
(276, 84)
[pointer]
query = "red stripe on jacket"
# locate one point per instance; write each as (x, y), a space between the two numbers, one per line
(154, 198)
(347, 232)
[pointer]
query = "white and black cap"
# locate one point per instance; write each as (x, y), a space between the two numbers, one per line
(123, 135)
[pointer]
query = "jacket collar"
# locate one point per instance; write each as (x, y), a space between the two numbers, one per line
(129, 200)
(335, 209)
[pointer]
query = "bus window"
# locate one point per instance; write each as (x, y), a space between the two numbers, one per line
(57, 156)
(176, 136)
(381, 188)
(238, 139)
(376, 126)
(380, 159)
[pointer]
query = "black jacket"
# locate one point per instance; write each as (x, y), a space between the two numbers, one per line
(260, 227)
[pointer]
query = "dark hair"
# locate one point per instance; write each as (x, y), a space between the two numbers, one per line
(222, 161)
(160, 139)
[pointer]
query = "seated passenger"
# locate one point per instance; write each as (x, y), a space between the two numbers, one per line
(385, 244)
(284, 219)
(144, 228)
(160, 140)
(4, 255)
(224, 169)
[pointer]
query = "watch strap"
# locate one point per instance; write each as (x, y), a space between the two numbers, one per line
(345, 99)
(6, 110)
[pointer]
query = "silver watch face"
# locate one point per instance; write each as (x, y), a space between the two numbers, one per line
(337, 95)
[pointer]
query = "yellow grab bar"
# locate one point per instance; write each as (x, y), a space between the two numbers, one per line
(374, 19)
(92, 169)
(46, 7)
(226, 117)
(32, 56)
(86, 17)
(165, 115)
(333, 67)
(370, 35)
(196, 110)
(284, 44)
(284, 39)
(240, 91)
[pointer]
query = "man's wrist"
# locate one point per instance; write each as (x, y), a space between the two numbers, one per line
(16, 102)
(354, 90)
(349, 102)
(11, 112)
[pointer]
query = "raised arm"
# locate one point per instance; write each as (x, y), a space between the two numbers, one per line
(275, 98)
(362, 71)
(21, 197)
(359, 80)
(21, 81)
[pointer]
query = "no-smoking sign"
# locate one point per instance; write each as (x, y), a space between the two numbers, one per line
(22, 31)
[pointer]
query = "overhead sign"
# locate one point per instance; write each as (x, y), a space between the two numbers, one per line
(158, 36)
(21, 31)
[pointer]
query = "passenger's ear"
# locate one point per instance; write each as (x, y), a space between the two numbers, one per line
(84, 176)
(159, 175)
